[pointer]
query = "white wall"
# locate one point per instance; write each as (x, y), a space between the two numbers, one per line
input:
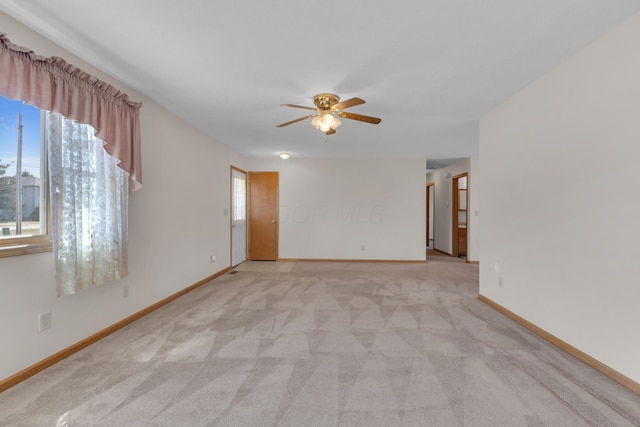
(176, 223)
(559, 164)
(329, 208)
(443, 215)
(473, 232)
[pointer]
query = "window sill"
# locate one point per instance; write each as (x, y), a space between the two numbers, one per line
(24, 249)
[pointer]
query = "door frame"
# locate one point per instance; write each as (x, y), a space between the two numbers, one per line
(431, 187)
(246, 238)
(455, 250)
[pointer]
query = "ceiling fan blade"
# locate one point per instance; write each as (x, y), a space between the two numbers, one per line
(298, 106)
(359, 117)
(296, 120)
(348, 103)
(330, 131)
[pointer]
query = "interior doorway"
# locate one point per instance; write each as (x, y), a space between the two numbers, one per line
(238, 216)
(430, 213)
(460, 215)
(263, 215)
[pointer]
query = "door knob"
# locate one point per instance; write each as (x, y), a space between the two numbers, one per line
(273, 221)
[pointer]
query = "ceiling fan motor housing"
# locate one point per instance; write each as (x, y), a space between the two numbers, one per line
(325, 101)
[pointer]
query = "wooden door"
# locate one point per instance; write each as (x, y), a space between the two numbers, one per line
(460, 218)
(428, 215)
(263, 216)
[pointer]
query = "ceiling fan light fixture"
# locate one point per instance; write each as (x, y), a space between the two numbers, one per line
(325, 122)
(316, 122)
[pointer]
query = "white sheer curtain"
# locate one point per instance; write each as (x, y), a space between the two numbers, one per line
(89, 199)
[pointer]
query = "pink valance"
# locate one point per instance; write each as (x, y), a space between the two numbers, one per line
(53, 84)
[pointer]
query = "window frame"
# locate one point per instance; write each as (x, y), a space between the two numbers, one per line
(30, 244)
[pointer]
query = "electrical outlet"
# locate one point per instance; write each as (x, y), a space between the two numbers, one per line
(45, 321)
(125, 291)
(500, 285)
(363, 247)
(212, 258)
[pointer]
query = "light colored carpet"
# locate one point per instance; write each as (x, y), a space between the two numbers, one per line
(265, 266)
(327, 344)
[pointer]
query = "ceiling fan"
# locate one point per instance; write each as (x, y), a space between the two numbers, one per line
(328, 109)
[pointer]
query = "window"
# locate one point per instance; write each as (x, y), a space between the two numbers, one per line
(91, 126)
(24, 219)
(239, 199)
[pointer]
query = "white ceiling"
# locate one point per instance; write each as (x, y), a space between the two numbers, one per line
(429, 68)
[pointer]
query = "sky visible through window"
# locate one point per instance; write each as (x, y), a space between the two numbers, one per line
(9, 111)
